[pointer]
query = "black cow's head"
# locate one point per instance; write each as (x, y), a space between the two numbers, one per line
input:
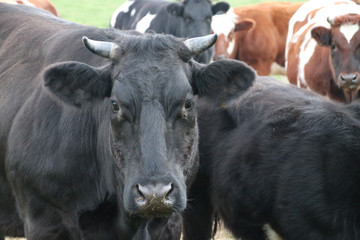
(145, 99)
(343, 40)
(196, 16)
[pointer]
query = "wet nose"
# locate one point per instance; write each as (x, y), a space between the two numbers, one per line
(350, 80)
(154, 198)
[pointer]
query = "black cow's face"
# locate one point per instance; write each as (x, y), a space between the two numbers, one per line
(196, 16)
(154, 131)
(148, 96)
(343, 42)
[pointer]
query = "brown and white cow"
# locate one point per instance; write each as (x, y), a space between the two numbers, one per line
(323, 48)
(255, 34)
(43, 4)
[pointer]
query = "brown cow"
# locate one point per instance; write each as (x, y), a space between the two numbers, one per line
(43, 4)
(255, 34)
(323, 48)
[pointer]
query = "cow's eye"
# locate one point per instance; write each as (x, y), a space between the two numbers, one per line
(189, 104)
(115, 106)
(188, 19)
(333, 47)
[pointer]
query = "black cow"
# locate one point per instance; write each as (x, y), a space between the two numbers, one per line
(97, 144)
(277, 155)
(190, 18)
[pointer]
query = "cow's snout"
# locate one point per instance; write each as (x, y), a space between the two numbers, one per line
(154, 199)
(350, 80)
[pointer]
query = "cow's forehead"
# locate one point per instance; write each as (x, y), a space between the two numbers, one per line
(154, 82)
(151, 64)
(198, 8)
(349, 31)
(224, 23)
(137, 47)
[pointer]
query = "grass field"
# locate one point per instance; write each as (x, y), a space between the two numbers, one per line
(98, 12)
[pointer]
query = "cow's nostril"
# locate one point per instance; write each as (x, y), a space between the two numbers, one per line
(139, 191)
(141, 199)
(343, 78)
(355, 79)
(170, 191)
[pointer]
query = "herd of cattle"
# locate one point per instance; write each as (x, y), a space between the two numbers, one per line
(167, 122)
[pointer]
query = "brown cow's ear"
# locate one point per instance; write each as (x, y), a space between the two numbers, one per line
(322, 35)
(175, 9)
(77, 83)
(222, 80)
(245, 25)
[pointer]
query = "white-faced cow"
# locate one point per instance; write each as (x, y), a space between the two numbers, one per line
(255, 34)
(97, 144)
(190, 18)
(277, 156)
(323, 48)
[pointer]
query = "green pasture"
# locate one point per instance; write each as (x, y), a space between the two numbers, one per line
(98, 12)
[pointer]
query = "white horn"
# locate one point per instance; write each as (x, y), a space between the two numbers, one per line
(101, 48)
(331, 21)
(199, 44)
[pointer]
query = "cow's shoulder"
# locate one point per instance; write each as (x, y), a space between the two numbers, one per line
(270, 101)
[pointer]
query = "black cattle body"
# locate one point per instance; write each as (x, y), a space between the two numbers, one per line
(190, 18)
(277, 156)
(98, 144)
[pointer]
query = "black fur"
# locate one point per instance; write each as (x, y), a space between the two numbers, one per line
(281, 156)
(81, 134)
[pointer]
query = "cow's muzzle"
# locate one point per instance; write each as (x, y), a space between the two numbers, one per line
(350, 83)
(154, 199)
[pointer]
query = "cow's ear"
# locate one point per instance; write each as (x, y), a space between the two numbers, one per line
(222, 80)
(220, 8)
(245, 25)
(175, 9)
(322, 35)
(77, 83)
